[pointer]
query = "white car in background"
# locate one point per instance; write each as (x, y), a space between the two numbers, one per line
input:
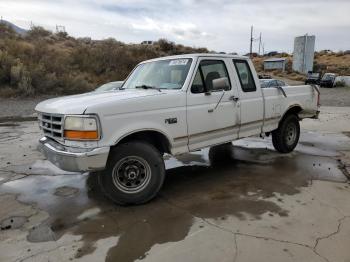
(109, 86)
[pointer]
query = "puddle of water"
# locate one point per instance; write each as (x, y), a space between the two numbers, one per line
(66, 191)
(214, 184)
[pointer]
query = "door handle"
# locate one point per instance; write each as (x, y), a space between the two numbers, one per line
(234, 98)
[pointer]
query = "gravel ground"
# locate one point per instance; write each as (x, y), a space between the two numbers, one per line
(11, 107)
(339, 96)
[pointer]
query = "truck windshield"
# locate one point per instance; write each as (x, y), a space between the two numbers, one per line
(162, 74)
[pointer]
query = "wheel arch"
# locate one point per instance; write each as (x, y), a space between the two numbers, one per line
(292, 109)
(155, 137)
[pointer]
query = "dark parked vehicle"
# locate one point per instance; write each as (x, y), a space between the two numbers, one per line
(272, 53)
(266, 83)
(264, 76)
(313, 78)
(328, 80)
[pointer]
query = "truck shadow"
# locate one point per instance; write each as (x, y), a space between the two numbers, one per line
(214, 189)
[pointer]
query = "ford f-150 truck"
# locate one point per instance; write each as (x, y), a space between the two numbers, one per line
(171, 105)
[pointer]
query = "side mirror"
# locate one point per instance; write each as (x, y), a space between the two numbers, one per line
(221, 84)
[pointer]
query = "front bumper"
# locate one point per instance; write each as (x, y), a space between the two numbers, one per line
(72, 159)
(327, 83)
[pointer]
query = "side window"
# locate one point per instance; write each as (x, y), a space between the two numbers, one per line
(197, 85)
(245, 75)
(209, 70)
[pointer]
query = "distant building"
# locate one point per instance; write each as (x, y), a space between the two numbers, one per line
(275, 64)
(303, 55)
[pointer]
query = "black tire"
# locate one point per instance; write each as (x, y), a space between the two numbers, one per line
(286, 137)
(134, 173)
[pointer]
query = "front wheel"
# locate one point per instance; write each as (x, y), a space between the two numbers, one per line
(286, 137)
(134, 173)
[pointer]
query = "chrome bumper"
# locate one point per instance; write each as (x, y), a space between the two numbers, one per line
(71, 159)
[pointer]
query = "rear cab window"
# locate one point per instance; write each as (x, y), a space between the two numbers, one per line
(245, 75)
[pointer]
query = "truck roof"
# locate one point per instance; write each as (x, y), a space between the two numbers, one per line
(197, 55)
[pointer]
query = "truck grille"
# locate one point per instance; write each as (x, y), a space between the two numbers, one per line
(51, 125)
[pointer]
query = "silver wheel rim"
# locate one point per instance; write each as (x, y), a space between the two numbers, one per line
(131, 174)
(291, 134)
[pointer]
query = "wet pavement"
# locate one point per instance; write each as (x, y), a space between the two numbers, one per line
(243, 202)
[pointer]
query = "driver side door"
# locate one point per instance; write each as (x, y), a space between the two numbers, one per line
(213, 116)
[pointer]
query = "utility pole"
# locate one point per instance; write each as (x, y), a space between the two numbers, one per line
(263, 48)
(259, 43)
(251, 42)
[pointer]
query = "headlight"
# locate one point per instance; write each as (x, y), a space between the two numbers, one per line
(81, 128)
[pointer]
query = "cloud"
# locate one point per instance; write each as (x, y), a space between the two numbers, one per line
(221, 25)
(179, 31)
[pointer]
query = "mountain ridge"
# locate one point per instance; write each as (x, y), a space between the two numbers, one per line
(14, 27)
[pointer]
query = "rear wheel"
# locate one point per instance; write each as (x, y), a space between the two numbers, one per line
(134, 174)
(286, 137)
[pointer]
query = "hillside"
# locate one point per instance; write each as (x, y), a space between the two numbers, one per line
(42, 62)
(338, 63)
(15, 28)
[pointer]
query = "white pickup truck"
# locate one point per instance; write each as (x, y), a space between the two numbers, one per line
(168, 105)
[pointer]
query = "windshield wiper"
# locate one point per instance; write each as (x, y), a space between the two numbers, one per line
(148, 87)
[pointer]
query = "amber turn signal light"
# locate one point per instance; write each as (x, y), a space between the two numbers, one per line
(80, 135)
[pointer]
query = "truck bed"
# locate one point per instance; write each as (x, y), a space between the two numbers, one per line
(276, 104)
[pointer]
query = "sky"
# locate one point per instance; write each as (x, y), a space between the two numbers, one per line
(219, 25)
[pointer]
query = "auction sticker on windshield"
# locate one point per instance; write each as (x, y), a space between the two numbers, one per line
(178, 62)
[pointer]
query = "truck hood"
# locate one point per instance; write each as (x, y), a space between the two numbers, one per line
(77, 104)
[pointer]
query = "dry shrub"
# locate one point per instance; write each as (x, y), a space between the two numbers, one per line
(45, 63)
(77, 84)
(8, 92)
